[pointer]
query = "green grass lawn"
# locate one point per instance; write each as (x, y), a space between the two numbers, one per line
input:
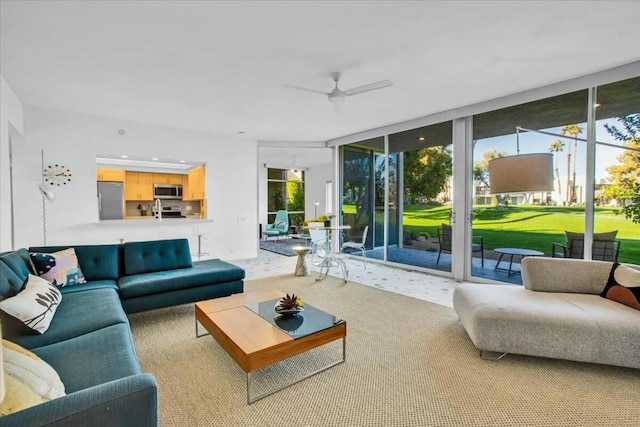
(525, 226)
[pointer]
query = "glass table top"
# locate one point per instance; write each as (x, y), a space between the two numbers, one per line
(308, 322)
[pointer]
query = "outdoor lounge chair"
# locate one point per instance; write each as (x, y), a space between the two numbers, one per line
(445, 236)
(604, 248)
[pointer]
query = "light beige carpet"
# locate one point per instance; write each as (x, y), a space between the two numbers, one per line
(409, 362)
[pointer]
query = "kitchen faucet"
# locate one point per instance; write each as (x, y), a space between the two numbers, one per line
(158, 208)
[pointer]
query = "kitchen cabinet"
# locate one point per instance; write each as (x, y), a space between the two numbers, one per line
(168, 178)
(195, 189)
(110, 174)
(138, 186)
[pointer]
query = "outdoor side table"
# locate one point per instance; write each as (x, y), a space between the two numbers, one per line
(302, 266)
(512, 252)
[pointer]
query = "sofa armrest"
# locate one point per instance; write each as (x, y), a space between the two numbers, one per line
(565, 275)
(128, 401)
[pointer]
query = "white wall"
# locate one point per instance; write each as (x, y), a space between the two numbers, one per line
(317, 176)
(11, 123)
(74, 140)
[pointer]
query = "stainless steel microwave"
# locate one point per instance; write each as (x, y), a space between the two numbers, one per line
(167, 191)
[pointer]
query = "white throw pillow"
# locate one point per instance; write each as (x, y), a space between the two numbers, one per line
(35, 305)
(32, 371)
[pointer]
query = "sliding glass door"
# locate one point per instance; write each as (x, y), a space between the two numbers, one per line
(358, 189)
(401, 184)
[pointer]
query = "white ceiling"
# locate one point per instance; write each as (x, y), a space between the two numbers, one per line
(220, 66)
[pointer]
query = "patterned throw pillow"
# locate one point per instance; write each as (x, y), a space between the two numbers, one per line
(59, 268)
(623, 286)
(35, 305)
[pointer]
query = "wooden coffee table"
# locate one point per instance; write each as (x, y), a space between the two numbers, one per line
(245, 327)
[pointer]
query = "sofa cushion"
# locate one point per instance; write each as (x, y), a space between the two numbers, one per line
(79, 313)
(160, 255)
(201, 274)
(98, 262)
(35, 305)
(10, 282)
(18, 261)
(32, 371)
(95, 284)
(623, 286)
(564, 275)
(95, 358)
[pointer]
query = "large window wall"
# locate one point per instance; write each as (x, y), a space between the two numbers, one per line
(617, 169)
(401, 183)
(285, 191)
(403, 192)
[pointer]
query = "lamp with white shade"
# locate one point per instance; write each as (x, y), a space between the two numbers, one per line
(521, 173)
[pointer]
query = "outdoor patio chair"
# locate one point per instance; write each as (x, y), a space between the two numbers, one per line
(359, 245)
(604, 247)
(280, 226)
(445, 236)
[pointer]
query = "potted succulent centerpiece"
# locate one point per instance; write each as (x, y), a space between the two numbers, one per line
(289, 305)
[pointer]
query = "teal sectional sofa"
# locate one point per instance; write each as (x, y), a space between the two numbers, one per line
(89, 340)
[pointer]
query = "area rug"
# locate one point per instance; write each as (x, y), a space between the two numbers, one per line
(409, 363)
(282, 246)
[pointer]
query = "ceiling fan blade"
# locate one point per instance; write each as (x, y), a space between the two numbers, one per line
(367, 88)
(306, 89)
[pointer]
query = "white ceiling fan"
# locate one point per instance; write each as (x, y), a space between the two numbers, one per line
(338, 95)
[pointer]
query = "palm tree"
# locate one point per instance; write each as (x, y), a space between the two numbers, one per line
(572, 130)
(557, 147)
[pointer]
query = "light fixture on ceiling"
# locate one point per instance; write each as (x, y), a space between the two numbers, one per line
(181, 161)
(421, 138)
(154, 158)
(521, 173)
(124, 156)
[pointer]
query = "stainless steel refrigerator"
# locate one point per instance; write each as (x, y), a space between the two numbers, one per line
(110, 200)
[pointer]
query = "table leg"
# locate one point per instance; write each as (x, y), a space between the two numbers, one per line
(251, 399)
(498, 263)
(510, 264)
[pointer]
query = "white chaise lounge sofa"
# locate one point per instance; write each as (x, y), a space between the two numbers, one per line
(558, 313)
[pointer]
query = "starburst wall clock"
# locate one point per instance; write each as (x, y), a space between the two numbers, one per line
(56, 175)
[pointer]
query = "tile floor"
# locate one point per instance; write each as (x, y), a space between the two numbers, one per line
(419, 285)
